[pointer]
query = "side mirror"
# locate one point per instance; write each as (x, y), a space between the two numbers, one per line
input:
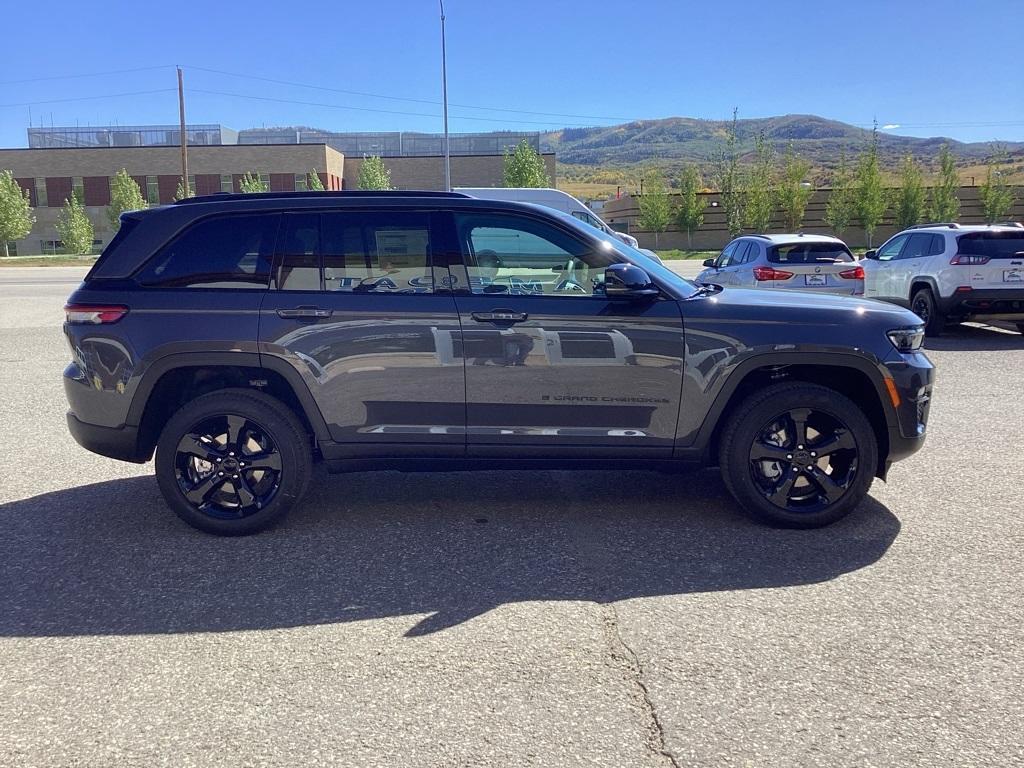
(709, 262)
(628, 281)
(872, 254)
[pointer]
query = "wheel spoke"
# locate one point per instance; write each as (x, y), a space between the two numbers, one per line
(236, 425)
(761, 451)
(201, 491)
(829, 487)
(193, 445)
(246, 498)
(841, 440)
(270, 460)
(799, 418)
(780, 493)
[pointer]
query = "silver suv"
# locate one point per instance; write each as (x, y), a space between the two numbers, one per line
(798, 262)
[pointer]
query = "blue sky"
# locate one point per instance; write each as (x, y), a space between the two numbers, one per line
(904, 62)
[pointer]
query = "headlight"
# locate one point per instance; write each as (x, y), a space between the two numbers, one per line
(907, 339)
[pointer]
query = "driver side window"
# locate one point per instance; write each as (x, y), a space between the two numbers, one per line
(892, 249)
(520, 256)
(725, 257)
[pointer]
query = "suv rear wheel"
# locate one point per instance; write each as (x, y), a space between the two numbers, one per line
(233, 462)
(923, 304)
(798, 455)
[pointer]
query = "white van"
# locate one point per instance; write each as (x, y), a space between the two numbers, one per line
(552, 198)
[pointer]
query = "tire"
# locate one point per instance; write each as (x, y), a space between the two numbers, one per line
(212, 437)
(827, 485)
(923, 304)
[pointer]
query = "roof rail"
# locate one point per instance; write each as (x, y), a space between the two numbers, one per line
(949, 224)
(218, 197)
(1016, 224)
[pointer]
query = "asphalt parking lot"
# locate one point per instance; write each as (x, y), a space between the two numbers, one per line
(547, 618)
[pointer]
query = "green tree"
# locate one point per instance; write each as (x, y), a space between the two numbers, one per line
(251, 182)
(945, 205)
(74, 227)
(373, 174)
(125, 195)
(655, 206)
(869, 194)
(841, 208)
(690, 213)
(16, 216)
(760, 198)
(794, 191)
(524, 167)
(995, 193)
(313, 181)
(728, 179)
(182, 190)
(910, 201)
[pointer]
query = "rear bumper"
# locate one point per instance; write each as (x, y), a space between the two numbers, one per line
(115, 442)
(985, 302)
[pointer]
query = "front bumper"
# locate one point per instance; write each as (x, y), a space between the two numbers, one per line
(913, 377)
(985, 302)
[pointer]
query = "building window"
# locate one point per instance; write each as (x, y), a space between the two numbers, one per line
(265, 180)
(152, 190)
(300, 182)
(227, 184)
(41, 201)
(192, 184)
(51, 247)
(78, 188)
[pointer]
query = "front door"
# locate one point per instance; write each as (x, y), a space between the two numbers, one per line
(353, 308)
(553, 367)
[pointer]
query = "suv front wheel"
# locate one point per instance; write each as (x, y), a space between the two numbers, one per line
(798, 455)
(233, 462)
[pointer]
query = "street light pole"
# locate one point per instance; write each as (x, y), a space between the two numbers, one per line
(444, 100)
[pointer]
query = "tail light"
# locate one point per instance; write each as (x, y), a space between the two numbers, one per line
(857, 273)
(770, 273)
(93, 314)
(968, 259)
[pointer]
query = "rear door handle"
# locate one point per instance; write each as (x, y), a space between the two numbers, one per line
(304, 313)
(500, 316)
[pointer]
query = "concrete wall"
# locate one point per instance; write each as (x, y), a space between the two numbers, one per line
(428, 172)
(623, 214)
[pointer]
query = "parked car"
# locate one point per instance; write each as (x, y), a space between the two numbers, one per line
(244, 337)
(948, 273)
(797, 262)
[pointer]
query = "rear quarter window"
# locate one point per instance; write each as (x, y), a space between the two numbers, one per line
(809, 253)
(995, 245)
(231, 251)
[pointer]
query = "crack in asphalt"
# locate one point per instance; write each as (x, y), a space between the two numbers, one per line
(633, 670)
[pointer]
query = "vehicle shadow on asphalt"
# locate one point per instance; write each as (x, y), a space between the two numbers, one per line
(975, 338)
(111, 559)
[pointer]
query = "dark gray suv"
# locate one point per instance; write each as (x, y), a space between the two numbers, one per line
(244, 337)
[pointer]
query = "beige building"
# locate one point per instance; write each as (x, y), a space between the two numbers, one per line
(51, 176)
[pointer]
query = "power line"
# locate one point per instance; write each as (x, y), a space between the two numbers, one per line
(85, 74)
(87, 98)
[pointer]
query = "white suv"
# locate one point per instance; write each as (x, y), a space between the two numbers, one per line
(951, 273)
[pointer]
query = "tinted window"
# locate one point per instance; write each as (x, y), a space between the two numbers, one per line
(223, 252)
(995, 245)
(917, 246)
(809, 253)
(298, 263)
(725, 258)
(753, 249)
(938, 245)
(522, 256)
(892, 249)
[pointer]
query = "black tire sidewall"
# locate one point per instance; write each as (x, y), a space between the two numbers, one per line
(759, 409)
(282, 428)
(936, 322)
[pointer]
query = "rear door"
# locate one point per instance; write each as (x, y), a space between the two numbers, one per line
(997, 256)
(355, 308)
(553, 367)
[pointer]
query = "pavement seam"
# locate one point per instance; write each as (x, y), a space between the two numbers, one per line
(633, 670)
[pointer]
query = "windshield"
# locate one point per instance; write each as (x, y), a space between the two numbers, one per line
(653, 267)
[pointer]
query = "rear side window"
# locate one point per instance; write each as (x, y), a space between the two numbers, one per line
(809, 253)
(128, 225)
(938, 245)
(223, 252)
(995, 245)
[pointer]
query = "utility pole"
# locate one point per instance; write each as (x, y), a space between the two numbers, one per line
(184, 136)
(444, 100)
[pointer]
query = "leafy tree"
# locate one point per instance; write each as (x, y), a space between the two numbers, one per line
(182, 191)
(16, 217)
(313, 182)
(729, 180)
(125, 195)
(760, 195)
(869, 194)
(690, 214)
(74, 227)
(524, 167)
(910, 202)
(794, 192)
(945, 205)
(373, 174)
(655, 207)
(996, 195)
(251, 182)
(841, 207)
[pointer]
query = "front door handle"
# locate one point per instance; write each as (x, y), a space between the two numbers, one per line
(304, 313)
(500, 316)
